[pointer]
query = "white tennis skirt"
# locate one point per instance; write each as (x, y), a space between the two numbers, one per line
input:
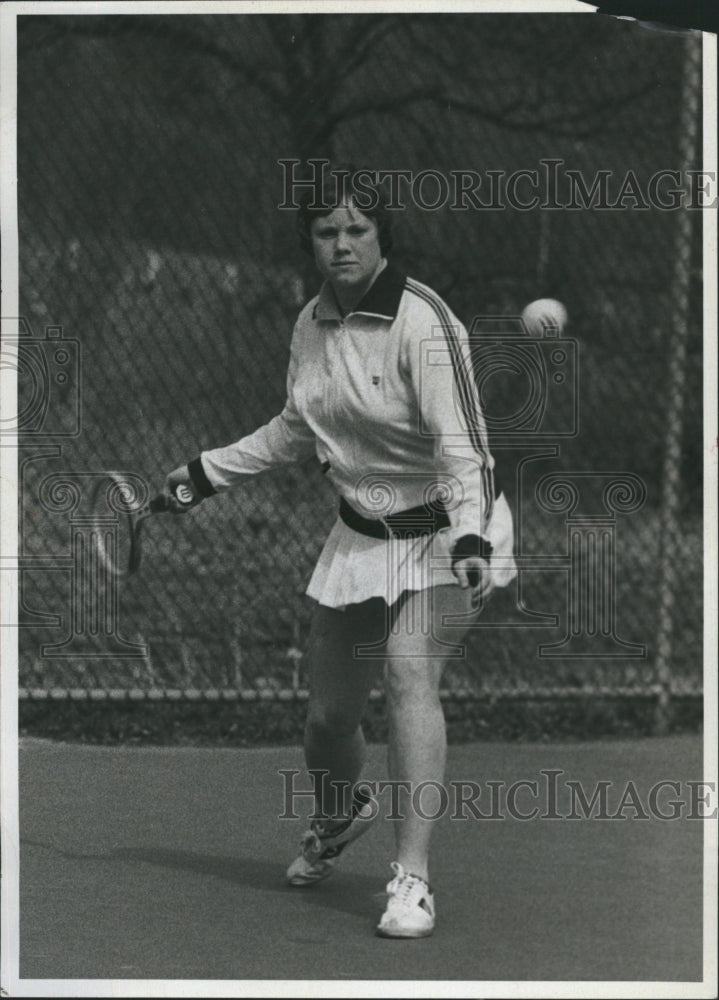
(354, 567)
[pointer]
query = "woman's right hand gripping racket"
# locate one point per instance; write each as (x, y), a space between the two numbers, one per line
(118, 520)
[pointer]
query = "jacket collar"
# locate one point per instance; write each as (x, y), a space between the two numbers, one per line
(381, 299)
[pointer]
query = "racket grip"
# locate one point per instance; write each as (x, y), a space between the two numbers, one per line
(158, 504)
(183, 495)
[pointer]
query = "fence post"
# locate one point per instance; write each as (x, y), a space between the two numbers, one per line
(670, 539)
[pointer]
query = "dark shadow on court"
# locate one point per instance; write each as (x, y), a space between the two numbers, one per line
(353, 894)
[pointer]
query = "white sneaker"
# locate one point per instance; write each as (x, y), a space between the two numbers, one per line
(410, 909)
(319, 850)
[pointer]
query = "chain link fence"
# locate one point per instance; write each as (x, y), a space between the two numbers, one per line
(152, 245)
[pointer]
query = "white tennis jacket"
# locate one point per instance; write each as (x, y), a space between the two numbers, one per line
(386, 399)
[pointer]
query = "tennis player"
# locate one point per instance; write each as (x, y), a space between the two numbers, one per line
(380, 390)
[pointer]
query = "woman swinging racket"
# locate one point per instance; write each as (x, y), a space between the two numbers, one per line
(380, 389)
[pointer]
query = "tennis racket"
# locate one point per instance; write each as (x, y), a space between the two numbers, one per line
(118, 518)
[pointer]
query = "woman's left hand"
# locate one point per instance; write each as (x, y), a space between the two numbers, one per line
(473, 574)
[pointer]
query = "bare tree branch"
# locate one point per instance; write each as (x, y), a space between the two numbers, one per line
(356, 53)
(503, 118)
(303, 72)
(173, 31)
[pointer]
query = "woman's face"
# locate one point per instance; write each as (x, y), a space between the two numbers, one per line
(346, 248)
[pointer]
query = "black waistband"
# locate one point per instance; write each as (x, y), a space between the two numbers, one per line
(406, 524)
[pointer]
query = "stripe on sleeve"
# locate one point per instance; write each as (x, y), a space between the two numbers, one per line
(467, 390)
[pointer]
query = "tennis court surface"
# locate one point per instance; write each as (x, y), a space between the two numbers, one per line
(145, 863)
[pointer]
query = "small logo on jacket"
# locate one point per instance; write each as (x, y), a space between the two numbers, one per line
(375, 380)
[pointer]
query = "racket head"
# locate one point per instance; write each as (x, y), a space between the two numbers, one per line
(119, 507)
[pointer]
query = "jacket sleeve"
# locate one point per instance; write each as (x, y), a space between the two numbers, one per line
(282, 441)
(439, 362)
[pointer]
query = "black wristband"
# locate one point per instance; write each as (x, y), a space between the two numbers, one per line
(199, 480)
(471, 545)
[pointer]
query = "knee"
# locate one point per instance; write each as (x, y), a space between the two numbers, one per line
(411, 683)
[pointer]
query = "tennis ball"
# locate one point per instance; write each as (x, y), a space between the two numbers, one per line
(544, 313)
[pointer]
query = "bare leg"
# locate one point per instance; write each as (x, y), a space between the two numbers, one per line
(340, 684)
(417, 739)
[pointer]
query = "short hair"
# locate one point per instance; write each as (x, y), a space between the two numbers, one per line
(341, 184)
